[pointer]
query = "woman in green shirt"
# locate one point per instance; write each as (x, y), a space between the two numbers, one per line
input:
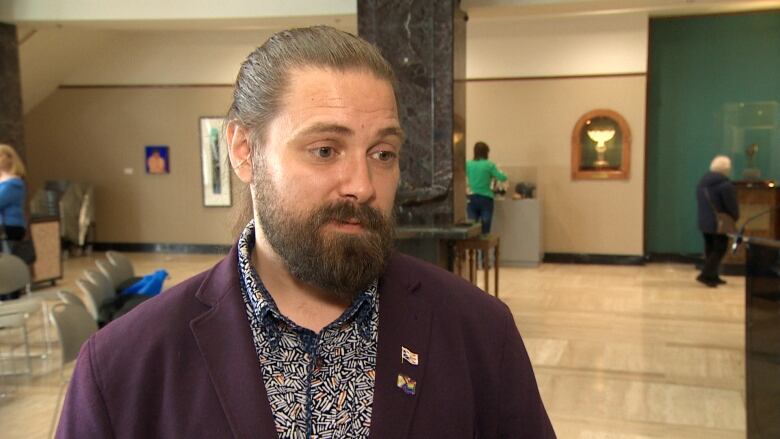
(479, 173)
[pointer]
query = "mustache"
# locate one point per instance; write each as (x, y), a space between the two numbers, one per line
(369, 218)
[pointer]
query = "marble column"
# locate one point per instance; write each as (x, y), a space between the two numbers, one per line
(425, 42)
(11, 126)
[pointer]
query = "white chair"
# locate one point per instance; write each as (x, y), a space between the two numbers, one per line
(13, 316)
(70, 298)
(110, 271)
(123, 265)
(7, 355)
(103, 283)
(94, 296)
(9, 322)
(14, 274)
(74, 326)
(120, 272)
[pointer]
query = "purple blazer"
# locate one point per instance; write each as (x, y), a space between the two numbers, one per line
(183, 364)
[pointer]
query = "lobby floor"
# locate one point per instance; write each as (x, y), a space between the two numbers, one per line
(620, 352)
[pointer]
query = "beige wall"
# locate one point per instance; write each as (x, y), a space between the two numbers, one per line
(91, 135)
(556, 46)
(47, 56)
(528, 123)
(89, 11)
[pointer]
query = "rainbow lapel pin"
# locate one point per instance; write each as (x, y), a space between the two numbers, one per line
(408, 385)
(409, 356)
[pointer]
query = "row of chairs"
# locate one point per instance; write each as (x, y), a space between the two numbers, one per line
(73, 324)
(98, 287)
(74, 319)
(113, 274)
(15, 313)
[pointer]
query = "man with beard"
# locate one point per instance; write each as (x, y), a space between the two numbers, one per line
(311, 327)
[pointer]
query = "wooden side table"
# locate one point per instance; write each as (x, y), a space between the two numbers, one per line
(468, 249)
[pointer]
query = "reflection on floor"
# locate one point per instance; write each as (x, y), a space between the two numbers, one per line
(619, 352)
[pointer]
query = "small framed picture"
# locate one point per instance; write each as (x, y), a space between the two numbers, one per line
(158, 160)
(214, 160)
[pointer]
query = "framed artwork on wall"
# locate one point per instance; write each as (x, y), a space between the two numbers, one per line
(214, 163)
(600, 146)
(157, 159)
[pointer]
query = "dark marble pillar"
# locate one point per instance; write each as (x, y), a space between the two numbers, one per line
(425, 42)
(11, 126)
(762, 337)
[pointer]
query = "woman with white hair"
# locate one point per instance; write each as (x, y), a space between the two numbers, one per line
(715, 193)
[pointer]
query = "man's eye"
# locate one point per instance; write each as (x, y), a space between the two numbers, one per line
(385, 156)
(324, 152)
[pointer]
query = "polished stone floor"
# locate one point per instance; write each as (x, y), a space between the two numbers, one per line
(619, 352)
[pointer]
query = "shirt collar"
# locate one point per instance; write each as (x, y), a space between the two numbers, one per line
(263, 303)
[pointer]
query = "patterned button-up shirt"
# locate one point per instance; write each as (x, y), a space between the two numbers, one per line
(319, 385)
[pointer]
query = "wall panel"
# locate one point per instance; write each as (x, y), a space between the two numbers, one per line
(92, 134)
(528, 123)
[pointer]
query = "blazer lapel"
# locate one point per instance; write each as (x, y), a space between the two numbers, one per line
(404, 322)
(225, 341)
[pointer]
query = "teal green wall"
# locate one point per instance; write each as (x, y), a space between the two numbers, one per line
(714, 88)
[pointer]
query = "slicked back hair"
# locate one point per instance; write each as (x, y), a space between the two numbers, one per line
(265, 74)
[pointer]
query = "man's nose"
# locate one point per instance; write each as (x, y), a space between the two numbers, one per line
(356, 182)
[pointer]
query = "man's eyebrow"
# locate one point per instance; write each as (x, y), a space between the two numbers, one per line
(325, 128)
(335, 128)
(393, 131)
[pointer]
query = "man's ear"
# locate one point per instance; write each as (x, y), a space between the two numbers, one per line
(239, 150)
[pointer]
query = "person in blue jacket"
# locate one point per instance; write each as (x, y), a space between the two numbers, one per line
(13, 192)
(715, 192)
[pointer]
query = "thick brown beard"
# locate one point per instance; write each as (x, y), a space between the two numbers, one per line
(340, 263)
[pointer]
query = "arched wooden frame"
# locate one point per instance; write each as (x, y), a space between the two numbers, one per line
(578, 170)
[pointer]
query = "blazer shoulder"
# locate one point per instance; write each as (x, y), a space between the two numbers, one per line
(153, 322)
(445, 290)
